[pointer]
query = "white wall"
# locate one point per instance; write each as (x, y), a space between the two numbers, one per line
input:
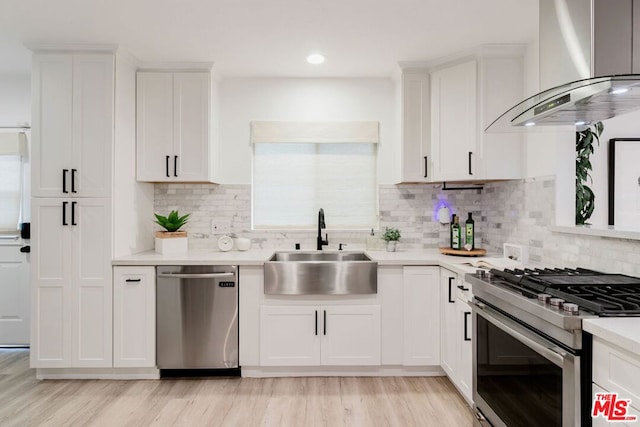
(132, 201)
(290, 99)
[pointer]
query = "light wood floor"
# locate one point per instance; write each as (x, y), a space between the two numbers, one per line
(332, 402)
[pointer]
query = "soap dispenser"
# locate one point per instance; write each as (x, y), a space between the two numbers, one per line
(372, 241)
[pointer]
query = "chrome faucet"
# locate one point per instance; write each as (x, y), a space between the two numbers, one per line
(321, 225)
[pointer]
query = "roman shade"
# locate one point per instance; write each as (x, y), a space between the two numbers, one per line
(13, 144)
(315, 132)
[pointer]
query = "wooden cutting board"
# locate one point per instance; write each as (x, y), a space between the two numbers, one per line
(463, 252)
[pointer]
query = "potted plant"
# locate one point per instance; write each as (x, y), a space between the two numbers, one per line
(172, 240)
(391, 235)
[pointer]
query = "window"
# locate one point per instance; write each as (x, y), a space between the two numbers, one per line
(12, 145)
(293, 180)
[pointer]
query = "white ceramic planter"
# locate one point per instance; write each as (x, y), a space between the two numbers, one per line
(171, 243)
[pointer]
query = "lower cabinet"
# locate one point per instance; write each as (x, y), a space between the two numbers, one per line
(340, 335)
(456, 334)
(421, 316)
(134, 317)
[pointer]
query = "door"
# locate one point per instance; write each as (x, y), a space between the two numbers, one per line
(351, 335)
(464, 378)
(51, 88)
(90, 221)
(289, 335)
(191, 126)
(421, 312)
(51, 283)
(454, 129)
(154, 131)
(416, 147)
(93, 93)
(450, 323)
(14, 296)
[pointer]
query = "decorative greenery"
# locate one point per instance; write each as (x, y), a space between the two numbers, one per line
(172, 222)
(585, 198)
(391, 234)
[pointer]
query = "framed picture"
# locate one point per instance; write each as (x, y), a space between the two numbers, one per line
(624, 182)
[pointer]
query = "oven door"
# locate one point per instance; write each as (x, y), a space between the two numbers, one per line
(521, 378)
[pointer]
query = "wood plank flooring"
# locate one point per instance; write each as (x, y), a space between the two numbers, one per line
(313, 401)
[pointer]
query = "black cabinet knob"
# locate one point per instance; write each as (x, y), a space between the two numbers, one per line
(25, 249)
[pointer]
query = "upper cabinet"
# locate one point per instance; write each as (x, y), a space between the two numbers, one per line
(445, 109)
(173, 129)
(415, 107)
(454, 125)
(73, 104)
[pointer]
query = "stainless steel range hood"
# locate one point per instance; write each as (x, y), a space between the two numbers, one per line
(590, 58)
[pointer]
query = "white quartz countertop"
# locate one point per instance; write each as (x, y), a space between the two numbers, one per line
(621, 331)
(258, 257)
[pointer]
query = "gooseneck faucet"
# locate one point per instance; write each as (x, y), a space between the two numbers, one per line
(321, 225)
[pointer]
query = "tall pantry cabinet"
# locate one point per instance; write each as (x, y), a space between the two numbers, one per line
(72, 155)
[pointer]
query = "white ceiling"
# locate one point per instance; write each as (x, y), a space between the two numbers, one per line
(269, 37)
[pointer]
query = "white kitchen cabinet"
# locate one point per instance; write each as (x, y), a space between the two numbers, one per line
(456, 333)
(449, 323)
(14, 295)
(466, 97)
(173, 114)
(415, 115)
(421, 313)
(337, 335)
(71, 284)
(73, 110)
(454, 124)
(134, 317)
(616, 369)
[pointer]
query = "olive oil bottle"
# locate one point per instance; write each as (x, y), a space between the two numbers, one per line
(455, 233)
(469, 233)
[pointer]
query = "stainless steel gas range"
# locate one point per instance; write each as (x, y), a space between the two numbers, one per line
(531, 359)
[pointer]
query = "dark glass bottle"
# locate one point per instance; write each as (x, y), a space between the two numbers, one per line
(455, 232)
(469, 233)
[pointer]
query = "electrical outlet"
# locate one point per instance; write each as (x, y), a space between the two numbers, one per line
(220, 227)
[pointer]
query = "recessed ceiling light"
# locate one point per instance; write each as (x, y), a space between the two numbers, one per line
(315, 59)
(580, 123)
(530, 124)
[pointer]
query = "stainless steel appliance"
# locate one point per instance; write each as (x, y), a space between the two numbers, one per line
(197, 317)
(531, 359)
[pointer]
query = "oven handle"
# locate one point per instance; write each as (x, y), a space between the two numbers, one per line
(194, 275)
(520, 333)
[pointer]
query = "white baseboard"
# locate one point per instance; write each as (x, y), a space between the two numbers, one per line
(97, 374)
(342, 371)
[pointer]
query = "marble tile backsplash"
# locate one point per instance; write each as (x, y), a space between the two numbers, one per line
(411, 208)
(523, 212)
(520, 212)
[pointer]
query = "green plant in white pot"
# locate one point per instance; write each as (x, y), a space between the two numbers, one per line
(391, 235)
(172, 240)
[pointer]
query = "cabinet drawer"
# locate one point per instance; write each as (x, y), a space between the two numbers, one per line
(616, 370)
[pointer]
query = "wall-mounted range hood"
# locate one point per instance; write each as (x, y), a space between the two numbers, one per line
(590, 58)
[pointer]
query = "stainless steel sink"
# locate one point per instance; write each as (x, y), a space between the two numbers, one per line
(320, 273)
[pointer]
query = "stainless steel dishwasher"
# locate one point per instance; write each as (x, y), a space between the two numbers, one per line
(197, 317)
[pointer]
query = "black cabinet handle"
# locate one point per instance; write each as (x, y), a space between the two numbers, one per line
(426, 166)
(451, 279)
(166, 165)
(462, 288)
(133, 280)
(175, 166)
(73, 213)
(64, 213)
(64, 180)
(25, 249)
(325, 321)
(466, 327)
(316, 322)
(470, 154)
(73, 180)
